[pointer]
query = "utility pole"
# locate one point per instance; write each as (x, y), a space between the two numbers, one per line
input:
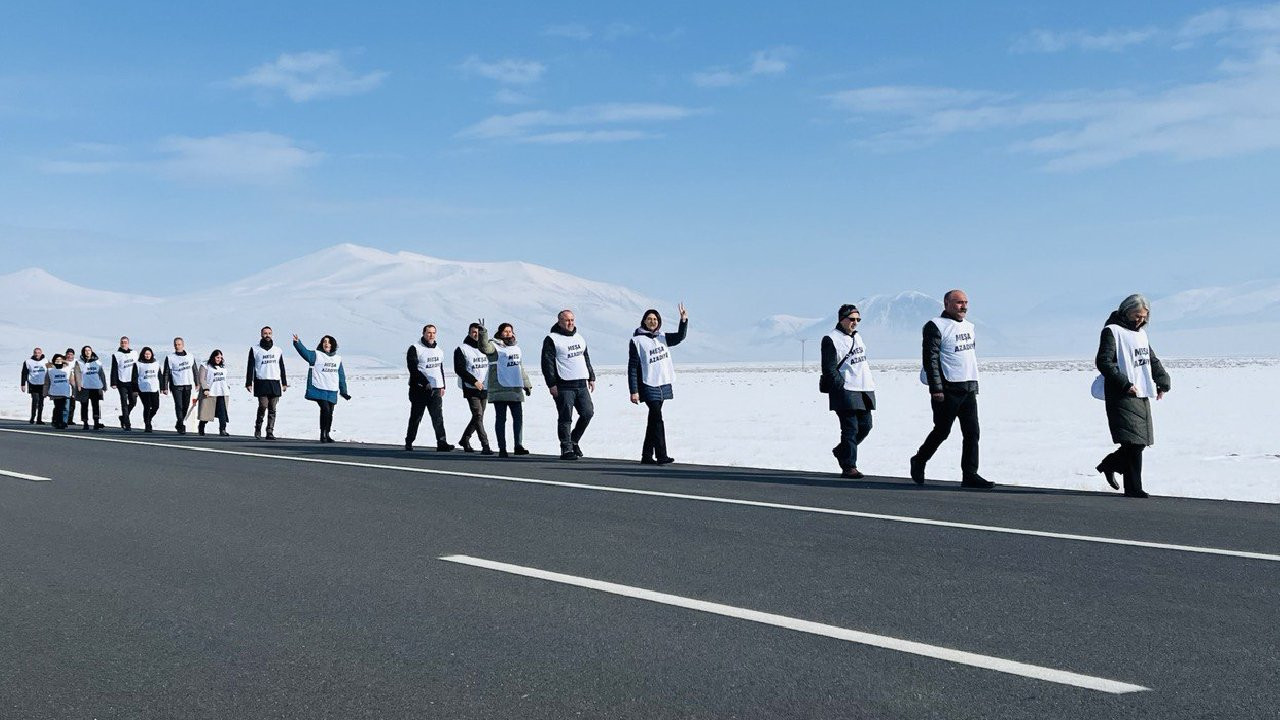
(802, 342)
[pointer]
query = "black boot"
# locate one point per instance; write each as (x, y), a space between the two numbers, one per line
(520, 450)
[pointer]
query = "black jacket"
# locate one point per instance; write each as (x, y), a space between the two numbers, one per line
(416, 378)
(839, 399)
(549, 372)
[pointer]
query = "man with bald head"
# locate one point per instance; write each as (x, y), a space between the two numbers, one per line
(566, 367)
(950, 370)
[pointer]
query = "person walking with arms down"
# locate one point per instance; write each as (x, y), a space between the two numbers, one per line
(508, 385)
(1131, 376)
(146, 378)
(566, 367)
(425, 360)
(215, 393)
(265, 377)
(34, 369)
(851, 391)
(326, 379)
(177, 378)
(57, 385)
(650, 375)
(90, 381)
(471, 366)
(122, 380)
(950, 370)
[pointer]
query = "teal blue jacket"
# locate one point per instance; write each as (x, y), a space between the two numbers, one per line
(314, 393)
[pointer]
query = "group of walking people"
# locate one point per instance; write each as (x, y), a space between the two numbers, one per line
(490, 371)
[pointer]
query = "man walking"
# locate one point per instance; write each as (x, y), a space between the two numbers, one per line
(122, 380)
(265, 378)
(951, 372)
(566, 366)
(177, 378)
(33, 373)
(471, 366)
(851, 391)
(425, 360)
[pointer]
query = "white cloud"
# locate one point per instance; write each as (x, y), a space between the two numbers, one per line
(576, 125)
(255, 157)
(1045, 41)
(309, 76)
(573, 31)
(762, 63)
(508, 72)
(507, 96)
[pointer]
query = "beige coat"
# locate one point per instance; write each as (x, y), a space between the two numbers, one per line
(208, 405)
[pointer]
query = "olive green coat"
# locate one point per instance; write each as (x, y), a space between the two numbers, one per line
(497, 391)
(1128, 417)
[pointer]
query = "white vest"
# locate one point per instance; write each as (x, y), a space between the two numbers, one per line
(508, 363)
(1133, 355)
(571, 360)
(59, 382)
(148, 376)
(35, 372)
(179, 369)
(956, 351)
(324, 373)
(89, 374)
(124, 365)
(477, 365)
(855, 371)
(431, 364)
(266, 363)
(656, 368)
(216, 380)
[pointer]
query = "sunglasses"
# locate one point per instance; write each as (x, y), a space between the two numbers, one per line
(853, 318)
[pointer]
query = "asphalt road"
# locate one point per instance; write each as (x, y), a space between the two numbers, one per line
(146, 579)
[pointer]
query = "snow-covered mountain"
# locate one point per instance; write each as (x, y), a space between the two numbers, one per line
(890, 324)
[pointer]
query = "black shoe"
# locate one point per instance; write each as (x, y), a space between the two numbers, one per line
(200, 432)
(520, 450)
(577, 450)
(32, 421)
(224, 433)
(571, 455)
(146, 430)
(408, 447)
(39, 422)
(86, 426)
(486, 450)
(665, 460)
(1111, 477)
(99, 426)
(465, 444)
(917, 470)
(1135, 494)
(648, 461)
(851, 474)
(977, 482)
(182, 430)
(444, 447)
(270, 435)
(257, 433)
(502, 453)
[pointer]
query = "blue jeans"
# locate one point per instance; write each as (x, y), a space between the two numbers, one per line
(855, 425)
(570, 397)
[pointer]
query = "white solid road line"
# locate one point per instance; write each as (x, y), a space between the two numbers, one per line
(988, 662)
(1271, 557)
(24, 476)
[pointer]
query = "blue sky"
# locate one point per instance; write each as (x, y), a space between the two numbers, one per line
(745, 158)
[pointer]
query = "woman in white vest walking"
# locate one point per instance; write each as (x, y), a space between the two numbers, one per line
(650, 375)
(1132, 375)
(326, 380)
(508, 385)
(90, 381)
(471, 366)
(215, 393)
(33, 373)
(851, 391)
(146, 378)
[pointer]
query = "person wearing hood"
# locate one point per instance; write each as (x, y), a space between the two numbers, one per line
(122, 361)
(950, 361)
(508, 385)
(326, 380)
(425, 360)
(57, 385)
(177, 378)
(215, 393)
(266, 379)
(90, 380)
(146, 379)
(471, 366)
(1131, 375)
(851, 391)
(34, 369)
(566, 368)
(650, 374)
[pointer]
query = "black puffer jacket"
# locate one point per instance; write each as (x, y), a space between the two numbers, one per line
(1128, 417)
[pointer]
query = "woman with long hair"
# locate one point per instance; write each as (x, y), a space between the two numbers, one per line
(326, 380)
(91, 381)
(215, 390)
(146, 378)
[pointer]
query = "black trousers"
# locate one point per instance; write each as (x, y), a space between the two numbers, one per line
(570, 397)
(128, 400)
(655, 432)
(37, 403)
(500, 422)
(1126, 460)
(181, 403)
(955, 405)
(150, 406)
(427, 399)
(59, 412)
(326, 416)
(855, 425)
(91, 398)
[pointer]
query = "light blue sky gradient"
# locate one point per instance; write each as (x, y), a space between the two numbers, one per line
(744, 158)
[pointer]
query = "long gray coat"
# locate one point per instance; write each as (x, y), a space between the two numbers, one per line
(1128, 417)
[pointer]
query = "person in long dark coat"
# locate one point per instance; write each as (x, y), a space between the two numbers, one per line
(1132, 375)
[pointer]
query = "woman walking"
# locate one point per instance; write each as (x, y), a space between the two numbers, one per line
(90, 381)
(851, 391)
(57, 385)
(326, 380)
(650, 374)
(215, 390)
(146, 378)
(508, 386)
(1131, 375)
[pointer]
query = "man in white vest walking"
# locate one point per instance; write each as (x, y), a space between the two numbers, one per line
(178, 377)
(122, 361)
(566, 366)
(950, 370)
(851, 391)
(425, 360)
(266, 379)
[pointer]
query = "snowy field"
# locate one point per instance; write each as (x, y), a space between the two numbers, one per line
(1216, 433)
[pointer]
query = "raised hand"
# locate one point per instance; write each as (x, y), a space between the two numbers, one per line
(295, 337)
(684, 314)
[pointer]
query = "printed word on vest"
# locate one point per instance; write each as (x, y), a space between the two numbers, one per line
(477, 365)
(59, 383)
(35, 372)
(124, 366)
(90, 377)
(508, 363)
(1133, 355)
(855, 371)
(148, 376)
(656, 368)
(216, 377)
(266, 363)
(957, 353)
(324, 374)
(571, 361)
(431, 364)
(179, 369)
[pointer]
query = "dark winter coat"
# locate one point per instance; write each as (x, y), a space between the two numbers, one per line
(460, 366)
(635, 377)
(1128, 417)
(840, 400)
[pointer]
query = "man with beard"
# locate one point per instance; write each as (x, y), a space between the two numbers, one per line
(266, 379)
